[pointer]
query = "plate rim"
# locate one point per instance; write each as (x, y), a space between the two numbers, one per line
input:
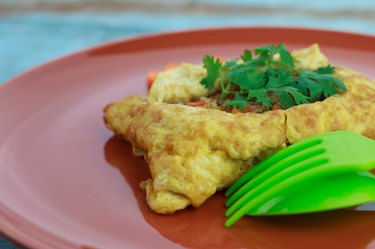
(178, 32)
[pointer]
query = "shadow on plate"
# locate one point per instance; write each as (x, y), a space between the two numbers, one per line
(203, 227)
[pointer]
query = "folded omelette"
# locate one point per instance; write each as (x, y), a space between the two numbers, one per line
(192, 152)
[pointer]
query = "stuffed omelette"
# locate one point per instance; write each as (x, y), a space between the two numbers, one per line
(192, 152)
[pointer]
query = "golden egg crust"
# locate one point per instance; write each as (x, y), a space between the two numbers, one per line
(193, 152)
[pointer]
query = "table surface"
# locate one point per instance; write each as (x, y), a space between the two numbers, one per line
(36, 31)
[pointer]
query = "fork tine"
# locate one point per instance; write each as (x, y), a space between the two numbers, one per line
(275, 169)
(249, 203)
(280, 155)
(263, 183)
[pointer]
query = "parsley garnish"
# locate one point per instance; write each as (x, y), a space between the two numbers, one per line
(268, 76)
(212, 66)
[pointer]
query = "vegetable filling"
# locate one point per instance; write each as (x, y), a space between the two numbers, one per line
(265, 79)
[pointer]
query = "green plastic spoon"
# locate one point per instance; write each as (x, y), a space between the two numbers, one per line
(321, 173)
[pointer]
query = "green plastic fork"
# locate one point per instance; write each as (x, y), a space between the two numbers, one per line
(324, 172)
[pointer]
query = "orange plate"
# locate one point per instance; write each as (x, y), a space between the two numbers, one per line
(67, 182)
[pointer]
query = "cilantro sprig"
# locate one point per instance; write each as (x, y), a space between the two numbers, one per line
(268, 76)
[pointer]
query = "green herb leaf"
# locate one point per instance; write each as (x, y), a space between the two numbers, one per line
(286, 100)
(309, 87)
(290, 96)
(247, 79)
(212, 66)
(230, 63)
(329, 84)
(266, 51)
(285, 57)
(246, 55)
(260, 96)
(277, 78)
(326, 70)
(238, 102)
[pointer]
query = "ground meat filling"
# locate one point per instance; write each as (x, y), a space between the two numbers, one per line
(216, 102)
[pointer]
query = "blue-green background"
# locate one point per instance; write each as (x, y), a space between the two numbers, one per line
(33, 37)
